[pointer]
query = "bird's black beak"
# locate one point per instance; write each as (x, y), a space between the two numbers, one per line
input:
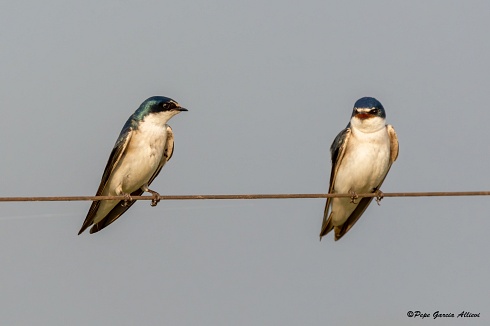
(181, 109)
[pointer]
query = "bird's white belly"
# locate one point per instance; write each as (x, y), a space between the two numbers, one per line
(140, 161)
(362, 169)
(364, 164)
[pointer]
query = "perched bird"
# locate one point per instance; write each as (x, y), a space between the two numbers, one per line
(362, 155)
(144, 145)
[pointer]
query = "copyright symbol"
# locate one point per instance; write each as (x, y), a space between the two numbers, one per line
(410, 313)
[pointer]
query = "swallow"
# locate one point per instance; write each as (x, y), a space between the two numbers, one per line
(145, 144)
(362, 155)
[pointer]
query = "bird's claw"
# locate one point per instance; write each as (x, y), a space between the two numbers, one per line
(353, 196)
(156, 197)
(127, 199)
(379, 196)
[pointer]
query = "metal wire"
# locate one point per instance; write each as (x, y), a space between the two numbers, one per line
(248, 196)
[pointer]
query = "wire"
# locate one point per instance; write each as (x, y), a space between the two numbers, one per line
(250, 196)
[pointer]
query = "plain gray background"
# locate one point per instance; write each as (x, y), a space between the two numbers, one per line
(268, 86)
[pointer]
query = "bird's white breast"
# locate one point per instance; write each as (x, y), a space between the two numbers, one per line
(142, 156)
(365, 162)
(138, 162)
(363, 167)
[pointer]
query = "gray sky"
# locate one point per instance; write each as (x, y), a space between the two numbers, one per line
(268, 86)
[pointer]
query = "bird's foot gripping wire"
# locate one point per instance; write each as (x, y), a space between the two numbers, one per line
(379, 196)
(353, 196)
(156, 197)
(127, 199)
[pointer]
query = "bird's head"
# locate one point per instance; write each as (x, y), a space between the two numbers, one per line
(368, 114)
(159, 107)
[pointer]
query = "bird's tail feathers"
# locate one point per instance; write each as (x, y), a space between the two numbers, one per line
(327, 226)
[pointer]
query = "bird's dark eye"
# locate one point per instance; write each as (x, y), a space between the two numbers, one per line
(374, 111)
(168, 106)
